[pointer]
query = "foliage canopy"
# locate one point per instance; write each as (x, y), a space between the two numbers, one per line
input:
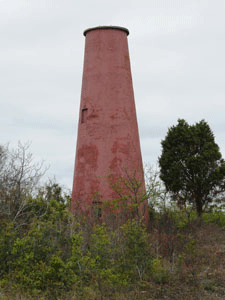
(191, 165)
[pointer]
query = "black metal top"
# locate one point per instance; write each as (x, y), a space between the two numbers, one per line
(107, 27)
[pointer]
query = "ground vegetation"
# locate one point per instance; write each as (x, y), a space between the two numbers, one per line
(48, 254)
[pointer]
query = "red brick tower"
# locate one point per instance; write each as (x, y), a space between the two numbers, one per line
(108, 143)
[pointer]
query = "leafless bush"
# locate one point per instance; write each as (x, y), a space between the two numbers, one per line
(19, 177)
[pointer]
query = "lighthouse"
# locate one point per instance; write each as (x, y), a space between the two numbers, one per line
(108, 146)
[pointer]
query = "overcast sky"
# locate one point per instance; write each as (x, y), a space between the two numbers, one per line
(177, 50)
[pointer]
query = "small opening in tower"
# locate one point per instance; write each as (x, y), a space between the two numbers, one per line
(97, 209)
(84, 115)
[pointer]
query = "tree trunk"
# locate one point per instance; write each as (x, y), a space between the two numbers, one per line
(199, 206)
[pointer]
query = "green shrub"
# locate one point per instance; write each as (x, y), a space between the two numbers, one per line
(36, 263)
(7, 238)
(136, 255)
(216, 216)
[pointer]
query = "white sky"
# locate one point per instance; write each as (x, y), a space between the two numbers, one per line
(177, 50)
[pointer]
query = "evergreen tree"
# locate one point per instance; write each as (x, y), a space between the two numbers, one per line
(191, 165)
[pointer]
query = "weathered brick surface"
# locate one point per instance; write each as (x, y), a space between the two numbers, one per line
(108, 138)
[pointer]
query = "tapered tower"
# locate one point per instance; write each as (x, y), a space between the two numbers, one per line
(108, 145)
